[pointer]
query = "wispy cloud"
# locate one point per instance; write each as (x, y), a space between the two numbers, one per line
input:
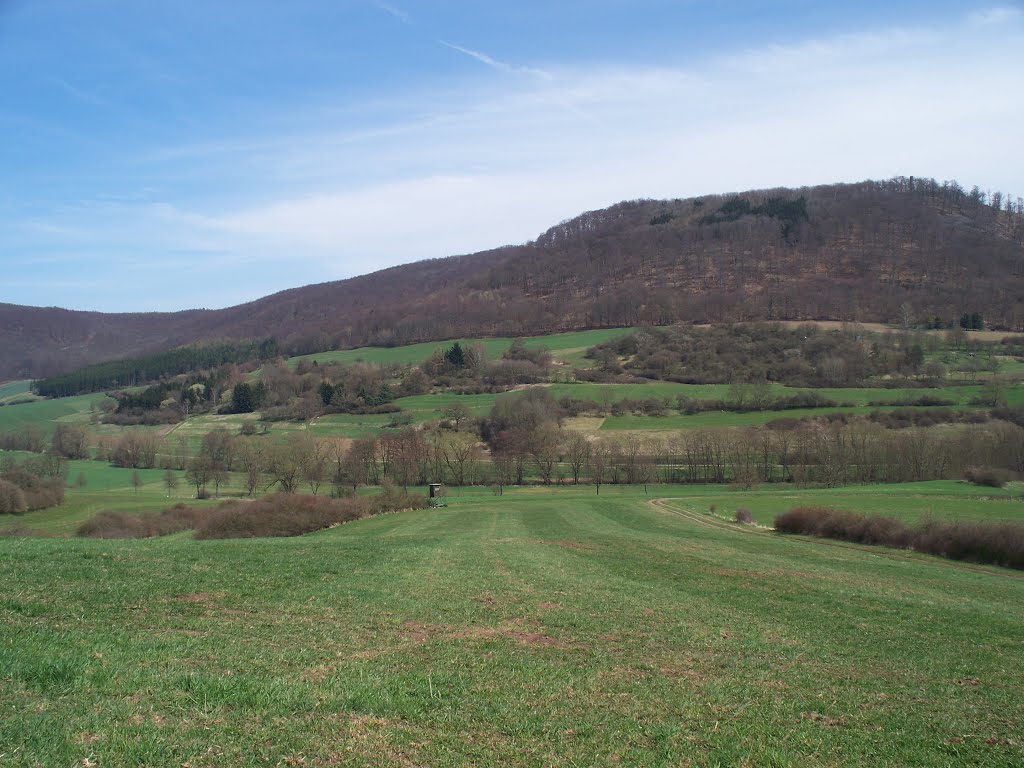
(493, 63)
(79, 94)
(455, 171)
(398, 13)
(997, 15)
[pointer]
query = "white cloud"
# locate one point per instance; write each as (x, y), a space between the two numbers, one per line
(998, 15)
(445, 172)
(493, 63)
(398, 13)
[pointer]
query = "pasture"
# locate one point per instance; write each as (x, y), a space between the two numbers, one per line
(566, 348)
(544, 627)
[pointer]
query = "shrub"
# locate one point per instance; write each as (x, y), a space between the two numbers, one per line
(282, 514)
(12, 499)
(121, 525)
(285, 514)
(744, 516)
(845, 526)
(987, 476)
(992, 543)
(801, 400)
(988, 543)
(37, 492)
(921, 401)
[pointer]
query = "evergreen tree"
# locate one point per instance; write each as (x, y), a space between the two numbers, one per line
(326, 392)
(455, 356)
(243, 398)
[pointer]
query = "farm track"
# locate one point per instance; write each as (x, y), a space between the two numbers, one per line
(876, 551)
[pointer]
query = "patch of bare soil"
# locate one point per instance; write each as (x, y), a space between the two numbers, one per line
(570, 544)
(516, 631)
(825, 720)
(207, 599)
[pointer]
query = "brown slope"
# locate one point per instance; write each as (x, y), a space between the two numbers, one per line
(872, 251)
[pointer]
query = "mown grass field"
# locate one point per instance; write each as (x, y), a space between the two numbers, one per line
(538, 628)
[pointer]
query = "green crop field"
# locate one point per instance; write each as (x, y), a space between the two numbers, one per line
(538, 628)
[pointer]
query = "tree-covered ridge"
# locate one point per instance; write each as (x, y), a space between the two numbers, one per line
(132, 372)
(874, 251)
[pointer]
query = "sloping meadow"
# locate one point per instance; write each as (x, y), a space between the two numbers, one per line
(535, 628)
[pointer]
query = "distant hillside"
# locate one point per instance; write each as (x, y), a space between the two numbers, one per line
(873, 251)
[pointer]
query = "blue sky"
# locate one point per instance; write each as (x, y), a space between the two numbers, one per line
(167, 155)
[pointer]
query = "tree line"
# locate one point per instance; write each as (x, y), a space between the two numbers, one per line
(523, 439)
(132, 372)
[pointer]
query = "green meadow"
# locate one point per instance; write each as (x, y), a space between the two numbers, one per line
(567, 348)
(14, 391)
(537, 628)
(546, 626)
(910, 502)
(47, 413)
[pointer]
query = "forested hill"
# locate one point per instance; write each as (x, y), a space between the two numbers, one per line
(902, 249)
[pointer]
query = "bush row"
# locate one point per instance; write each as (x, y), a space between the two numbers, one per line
(22, 491)
(123, 525)
(987, 476)
(283, 514)
(988, 543)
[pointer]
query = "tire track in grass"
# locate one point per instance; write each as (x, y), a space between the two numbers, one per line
(693, 517)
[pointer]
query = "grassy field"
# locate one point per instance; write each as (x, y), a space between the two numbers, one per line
(961, 395)
(911, 502)
(106, 487)
(46, 413)
(567, 348)
(429, 407)
(534, 629)
(14, 391)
